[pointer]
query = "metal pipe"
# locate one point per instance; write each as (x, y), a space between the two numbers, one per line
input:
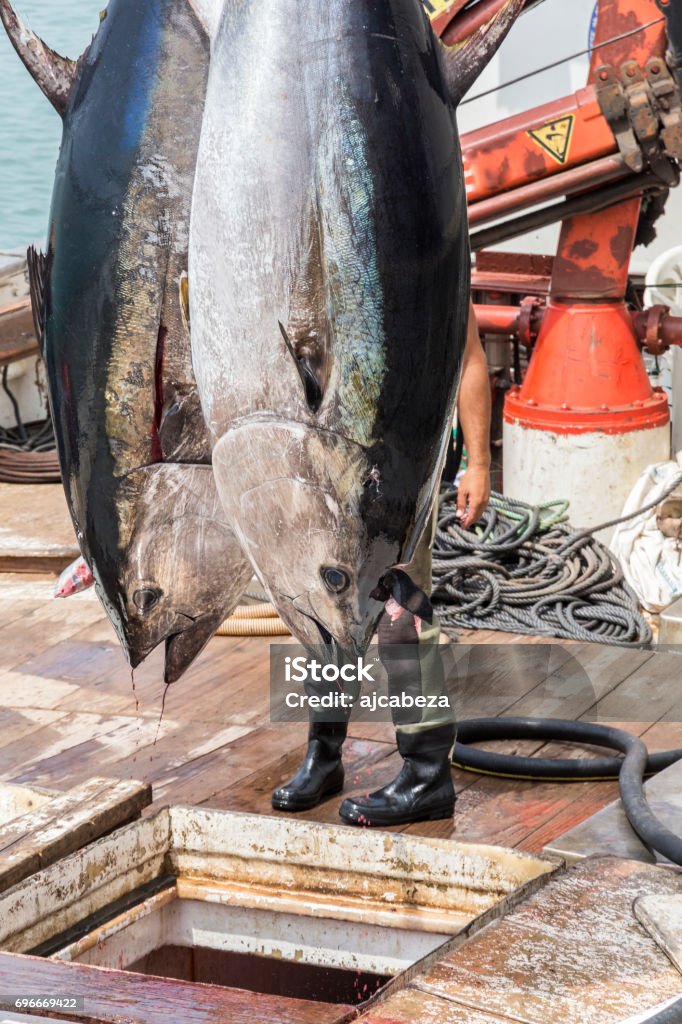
(460, 18)
(599, 172)
(468, 21)
(656, 329)
(505, 156)
(589, 202)
(498, 319)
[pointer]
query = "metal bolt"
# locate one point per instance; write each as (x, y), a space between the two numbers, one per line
(531, 401)
(565, 406)
(604, 408)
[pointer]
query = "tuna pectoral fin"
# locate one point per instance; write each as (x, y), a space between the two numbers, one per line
(54, 74)
(306, 334)
(472, 39)
(37, 276)
(309, 367)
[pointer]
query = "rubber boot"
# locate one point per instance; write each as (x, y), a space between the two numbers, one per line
(321, 774)
(423, 790)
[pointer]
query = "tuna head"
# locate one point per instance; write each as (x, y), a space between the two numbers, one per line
(182, 571)
(296, 496)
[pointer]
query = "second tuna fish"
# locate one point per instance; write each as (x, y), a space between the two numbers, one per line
(130, 431)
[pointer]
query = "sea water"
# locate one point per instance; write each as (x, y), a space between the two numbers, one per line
(30, 128)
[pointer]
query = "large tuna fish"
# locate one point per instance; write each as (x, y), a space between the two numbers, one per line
(329, 287)
(108, 294)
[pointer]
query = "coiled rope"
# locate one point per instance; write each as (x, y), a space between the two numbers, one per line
(254, 620)
(524, 569)
(28, 450)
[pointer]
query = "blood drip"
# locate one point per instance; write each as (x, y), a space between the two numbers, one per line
(163, 708)
(132, 683)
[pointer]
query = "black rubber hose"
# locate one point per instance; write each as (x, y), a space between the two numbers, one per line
(556, 769)
(629, 769)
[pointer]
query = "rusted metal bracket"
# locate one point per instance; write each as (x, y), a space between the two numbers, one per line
(644, 110)
(673, 16)
(530, 319)
(657, 330)
(667, 96)
(653, 341)
(614, 107)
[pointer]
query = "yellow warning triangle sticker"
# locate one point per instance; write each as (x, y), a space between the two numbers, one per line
(434, 7)
(555, 137)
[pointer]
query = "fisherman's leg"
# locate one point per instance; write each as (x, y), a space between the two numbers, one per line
(321, 774)
(410, 653)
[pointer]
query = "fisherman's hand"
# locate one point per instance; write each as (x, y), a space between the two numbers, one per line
(473, 494)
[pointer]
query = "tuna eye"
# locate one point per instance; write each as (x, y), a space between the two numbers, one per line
(335, 580)
(146, 598)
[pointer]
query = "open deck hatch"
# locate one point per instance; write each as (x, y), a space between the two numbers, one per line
(272, 905)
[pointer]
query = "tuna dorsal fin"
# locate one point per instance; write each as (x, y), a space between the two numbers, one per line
(465, 57)
(54, 74)
(306, 334)
(37, 276)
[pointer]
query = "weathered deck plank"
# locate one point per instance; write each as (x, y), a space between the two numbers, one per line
(41, 538)
(573, 953)
(65, 824)
(112, 997)
(411, 1005)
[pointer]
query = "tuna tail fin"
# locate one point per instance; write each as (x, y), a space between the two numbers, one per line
(37, 276)
(53, 74)
(472, 39)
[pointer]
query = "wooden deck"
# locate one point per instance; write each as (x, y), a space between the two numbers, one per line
(36, 533)
(70, 709)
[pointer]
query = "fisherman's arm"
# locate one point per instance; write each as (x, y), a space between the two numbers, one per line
(474, 419)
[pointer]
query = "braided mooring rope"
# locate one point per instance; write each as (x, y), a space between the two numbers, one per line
(524, 569)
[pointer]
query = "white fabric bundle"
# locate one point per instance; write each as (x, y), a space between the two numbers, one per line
(652, 562)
